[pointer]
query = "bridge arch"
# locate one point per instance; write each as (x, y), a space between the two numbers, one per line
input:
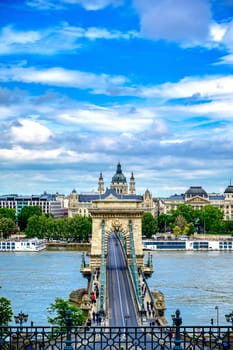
(116, 215)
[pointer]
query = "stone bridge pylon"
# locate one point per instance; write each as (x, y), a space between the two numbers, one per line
(116, 214)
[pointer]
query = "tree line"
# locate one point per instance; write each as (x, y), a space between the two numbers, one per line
(33, 223)
(185, 220)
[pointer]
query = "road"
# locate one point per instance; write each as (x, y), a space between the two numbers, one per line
(120, 294)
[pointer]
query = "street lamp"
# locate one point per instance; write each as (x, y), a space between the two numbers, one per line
(217, 310)
(229, 318)
(69, 322)
(177, 321)
(21, 318)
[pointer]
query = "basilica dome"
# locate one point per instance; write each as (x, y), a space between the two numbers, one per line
(119, 176)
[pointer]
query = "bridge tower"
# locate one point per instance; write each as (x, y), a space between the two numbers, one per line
(116, 214)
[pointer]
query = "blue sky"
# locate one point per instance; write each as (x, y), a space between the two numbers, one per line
(87, 83)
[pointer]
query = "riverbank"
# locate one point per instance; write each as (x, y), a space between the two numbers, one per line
(68, 246)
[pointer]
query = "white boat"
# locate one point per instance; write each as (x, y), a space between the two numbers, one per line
(22, 245)
(193, 245)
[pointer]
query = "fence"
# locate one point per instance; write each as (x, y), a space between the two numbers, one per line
(116, 338)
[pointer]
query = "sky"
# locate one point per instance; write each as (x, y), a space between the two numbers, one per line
(85, 84)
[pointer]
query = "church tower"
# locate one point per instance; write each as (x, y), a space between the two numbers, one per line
(132, 189)
(101, 184)
(119, 183)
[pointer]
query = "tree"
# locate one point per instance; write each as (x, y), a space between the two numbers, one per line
(8, 213)
(6, 312)
(211, 219)
(58, 311)
(164, 222)
(189, 229)
(149, 226)
(228, 227)
(26, 213)
(186, 210)
(180, 222)
(36, 226)
(176, 230)
(7, 226)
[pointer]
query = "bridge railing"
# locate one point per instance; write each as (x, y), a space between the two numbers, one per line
(102, 289)
(134, 270)
(112, 338)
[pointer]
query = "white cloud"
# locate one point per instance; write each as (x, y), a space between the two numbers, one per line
(91, 5)
(58, 76)
(29, 131)
(94, 4)
(175, 20)
(108, 119)
(209, 86)
(11, 40)
(227, 59)
(60, 38)
(217, 31)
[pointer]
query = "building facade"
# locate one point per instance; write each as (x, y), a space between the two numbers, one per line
(47, 202)
(197, 197)
(82, 203)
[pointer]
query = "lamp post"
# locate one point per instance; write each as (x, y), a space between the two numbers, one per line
(177, 321)
(69, 322)
(217, 311)
(21, 318)
(229, 318)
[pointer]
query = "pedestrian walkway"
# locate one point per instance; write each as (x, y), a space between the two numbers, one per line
(152, 315)
(95, 318)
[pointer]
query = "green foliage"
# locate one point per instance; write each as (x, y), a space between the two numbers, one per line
(149, 226)
(180, 222)
(176, 230)
(6, 312)
(209, 219)
(57, 313)
(76, 229)
(228, 227)
(26, 213)
(7, 226)
(189, 229)
(164, 222)
(8, 213)
(187, 212)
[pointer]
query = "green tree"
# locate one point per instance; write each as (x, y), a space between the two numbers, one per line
(176, 230)
(6, 312)
(211, 219)
(186, 210)
(164, 222)
(58, 310)
(228, 227)
(189, 229)
(149, 226)
(7, 226)
(181, 223)
(26, 213)
(8, 213)
(36, 226)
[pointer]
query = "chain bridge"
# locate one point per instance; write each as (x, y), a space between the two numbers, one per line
(116, 265)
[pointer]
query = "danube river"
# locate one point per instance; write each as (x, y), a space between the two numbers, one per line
(194, 282)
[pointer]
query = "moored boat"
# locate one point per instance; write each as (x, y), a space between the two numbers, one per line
(22, 245)
(190, 245)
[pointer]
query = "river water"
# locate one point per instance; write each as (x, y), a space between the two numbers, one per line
(194, 282)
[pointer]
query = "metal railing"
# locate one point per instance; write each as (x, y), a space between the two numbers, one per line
(102, 296)
(115, 338)
(134, 269)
